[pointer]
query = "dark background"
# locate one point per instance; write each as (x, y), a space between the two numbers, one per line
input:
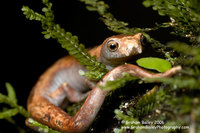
(25, 54)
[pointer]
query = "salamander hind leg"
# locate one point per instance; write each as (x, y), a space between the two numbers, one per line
(65, 93)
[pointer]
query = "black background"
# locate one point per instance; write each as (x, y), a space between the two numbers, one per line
(25, 54)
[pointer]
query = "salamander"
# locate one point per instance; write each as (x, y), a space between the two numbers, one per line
(62, 83)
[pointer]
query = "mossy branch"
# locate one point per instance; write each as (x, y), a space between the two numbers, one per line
(190, 54)
(95, 69)
(118, 83)
(184, 15)
(178, 82)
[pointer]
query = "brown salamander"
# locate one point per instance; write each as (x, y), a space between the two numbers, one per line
(62, 83)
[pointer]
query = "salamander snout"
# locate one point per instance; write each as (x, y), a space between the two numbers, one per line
(132, 44)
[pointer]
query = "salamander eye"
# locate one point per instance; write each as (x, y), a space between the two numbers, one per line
(143, 40)
(112, 45)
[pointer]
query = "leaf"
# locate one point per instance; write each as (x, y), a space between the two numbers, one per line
(158, 64)
(11, 92)
(45, 9)
(90, 8)
(47, 36)
(147, 3)
(8, 113)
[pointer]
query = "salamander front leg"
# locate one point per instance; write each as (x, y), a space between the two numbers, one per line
(142, 73)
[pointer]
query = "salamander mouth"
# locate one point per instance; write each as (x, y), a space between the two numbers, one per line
(126, 59)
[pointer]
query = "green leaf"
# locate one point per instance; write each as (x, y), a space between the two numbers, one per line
(11, 92)
(158, 64)
(8, 113)
(90, 8)
(146, 3)
(47, 36)
(45, 9)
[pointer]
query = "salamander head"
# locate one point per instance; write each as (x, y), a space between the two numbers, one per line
(120, 48)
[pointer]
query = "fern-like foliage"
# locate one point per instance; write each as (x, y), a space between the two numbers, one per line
(118, 26)
(184, 15)
(111, 22)
(118, 83)
(192, 52)
(11, 100)
(95, 69)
